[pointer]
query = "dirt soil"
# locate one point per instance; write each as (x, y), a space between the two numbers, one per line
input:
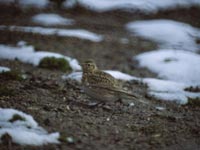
(59, 105)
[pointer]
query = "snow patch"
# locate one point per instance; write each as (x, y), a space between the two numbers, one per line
(176, 65)
(51, 19)
(167, 33)
(25, 131)
(27, 54)
(169, 90)
(121, 76)
(179, 69)
(4, 69)
(147, 6)
(78, 33)
(74, 76)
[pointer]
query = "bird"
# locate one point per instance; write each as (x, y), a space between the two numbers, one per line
(102, 86)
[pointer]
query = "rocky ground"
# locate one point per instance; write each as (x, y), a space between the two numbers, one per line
(61, 106)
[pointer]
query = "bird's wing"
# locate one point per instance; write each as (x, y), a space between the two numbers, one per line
(114, 89)
(100, 78)
(123, 93)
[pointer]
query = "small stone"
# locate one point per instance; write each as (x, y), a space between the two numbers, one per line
(157, 135)
(24, 76)
(131, 104)
(68, 108)
(108, 119)
(70, 140)
(159, 108)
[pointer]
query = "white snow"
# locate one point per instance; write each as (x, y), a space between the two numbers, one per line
(29, 3)
(116, 74)
(27, 54)
(51, 19)
(169, 90)
(179, 69)
(147, 6)
(78, 33)
(74, 76)
(26, 131)
(121, 76)
(4, 69)
(7, 114)
(175, 65)
(167, 33)
(70, 3)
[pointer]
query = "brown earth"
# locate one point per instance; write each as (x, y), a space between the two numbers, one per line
(61, 106)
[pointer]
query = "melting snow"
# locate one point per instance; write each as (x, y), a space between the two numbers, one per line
(142, 5)
(148, 6)
(180, 68)
(121, 76)
(4, 69)
(167, 33)
(25, 131)
(78, 33)
(27, 54)
(74, 76)
(176, 65)
(169, 90)
(51, 19)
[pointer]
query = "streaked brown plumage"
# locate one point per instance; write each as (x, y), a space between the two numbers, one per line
(102, 86)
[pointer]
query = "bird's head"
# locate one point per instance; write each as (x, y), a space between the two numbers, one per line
(89, 66)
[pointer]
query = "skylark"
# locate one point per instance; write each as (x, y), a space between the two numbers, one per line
(102, 86)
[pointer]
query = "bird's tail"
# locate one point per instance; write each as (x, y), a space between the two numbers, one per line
(130, 96)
